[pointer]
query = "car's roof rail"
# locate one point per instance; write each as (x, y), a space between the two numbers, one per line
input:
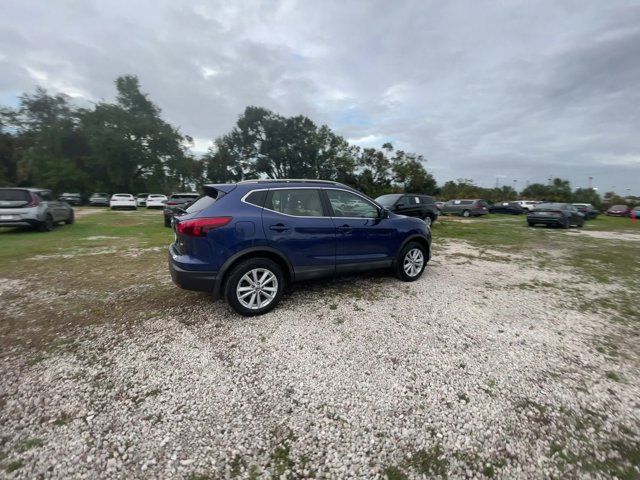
(290, 180)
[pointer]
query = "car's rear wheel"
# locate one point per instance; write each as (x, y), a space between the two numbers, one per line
(255, 286)
(167, 222)
(428, 220)
(566, 224)
(71, 219)
(47, 225)
(411, 262)
(466, 213)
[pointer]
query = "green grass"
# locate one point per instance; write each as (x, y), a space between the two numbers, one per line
(139, 228)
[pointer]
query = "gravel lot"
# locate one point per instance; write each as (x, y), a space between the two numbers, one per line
(482, 368)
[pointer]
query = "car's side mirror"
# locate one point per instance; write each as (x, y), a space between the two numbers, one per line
(383, 213)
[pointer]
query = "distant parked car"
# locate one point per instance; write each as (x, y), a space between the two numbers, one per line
(176, 204)
(618, 211)
(411, 205)
(588, 210)
(555, 214)
(141, 199)
(635, 213)
(99, 200)
(466, 208)
(156, 200)
(511, 208)
(71, 198)
(122, 200)
(528, 204)
(32, 207)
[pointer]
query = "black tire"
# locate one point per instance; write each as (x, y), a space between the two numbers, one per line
(237, 275)
(47, 225)
(466, 214)
(429, 220)
(167, 222)
(531, 224)
(566, 224)
(71, 219)
(400, 271)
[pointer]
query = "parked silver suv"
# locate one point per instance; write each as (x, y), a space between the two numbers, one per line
(32, 207)
(466, 208)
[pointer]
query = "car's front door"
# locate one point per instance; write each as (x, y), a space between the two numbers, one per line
(295, 222)
(365, 238)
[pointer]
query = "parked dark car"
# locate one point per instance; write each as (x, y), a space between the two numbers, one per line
(511, 208)
(177, 204)
(586, 209)
(141, 199)
(99, 199)
(71, 198)
(466, 208)
(32, 207)
(247, 241)
(411, 205)
(618, 211)
(555, 214)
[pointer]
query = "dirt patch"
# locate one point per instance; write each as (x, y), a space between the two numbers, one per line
(614, 236)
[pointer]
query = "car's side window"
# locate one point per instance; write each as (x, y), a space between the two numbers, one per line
(347, 204)
(46, 196)
(257, 198)
(300, 203)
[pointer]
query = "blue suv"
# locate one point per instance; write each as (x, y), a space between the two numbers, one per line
(248, 240)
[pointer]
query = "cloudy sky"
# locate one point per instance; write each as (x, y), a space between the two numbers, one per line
(495, 91)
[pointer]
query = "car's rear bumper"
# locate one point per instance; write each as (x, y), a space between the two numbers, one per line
(19, 223)
(190, 279)
(546, 220)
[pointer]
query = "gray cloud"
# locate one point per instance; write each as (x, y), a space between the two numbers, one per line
(522, 90)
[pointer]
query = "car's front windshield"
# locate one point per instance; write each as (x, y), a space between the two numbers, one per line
(387, 200)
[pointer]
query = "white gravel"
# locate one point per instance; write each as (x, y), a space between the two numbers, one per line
(463, 373)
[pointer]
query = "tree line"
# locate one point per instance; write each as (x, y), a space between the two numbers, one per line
(126, 146)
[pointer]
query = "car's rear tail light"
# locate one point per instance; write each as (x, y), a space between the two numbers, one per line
(198, 227)
(35, 201)
(171, 203)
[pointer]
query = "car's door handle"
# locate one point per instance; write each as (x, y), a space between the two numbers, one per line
(345, 228)
(279, 227)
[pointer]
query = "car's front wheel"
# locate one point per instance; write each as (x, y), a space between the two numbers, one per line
(428, 220)
(255, 286)
(71, 219)
(466, 213)
(411, 262)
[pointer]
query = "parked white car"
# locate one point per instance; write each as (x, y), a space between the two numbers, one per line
(156, 201)
(141, 199)
(122, 200)
(527, 204)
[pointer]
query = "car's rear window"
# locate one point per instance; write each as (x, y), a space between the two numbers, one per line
(203, 202)
(10, 195)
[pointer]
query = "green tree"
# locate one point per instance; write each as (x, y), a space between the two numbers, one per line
(133, 148)
(587, 195)
(265, 144)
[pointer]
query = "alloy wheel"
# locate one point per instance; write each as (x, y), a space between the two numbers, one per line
(413, 262)
(257, 288)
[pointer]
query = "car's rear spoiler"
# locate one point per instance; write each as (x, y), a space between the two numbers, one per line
(213, 190)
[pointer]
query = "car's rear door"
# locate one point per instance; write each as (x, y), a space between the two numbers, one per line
(296, 222)
(365, 239)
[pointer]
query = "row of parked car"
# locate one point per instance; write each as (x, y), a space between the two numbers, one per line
(170, 205)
